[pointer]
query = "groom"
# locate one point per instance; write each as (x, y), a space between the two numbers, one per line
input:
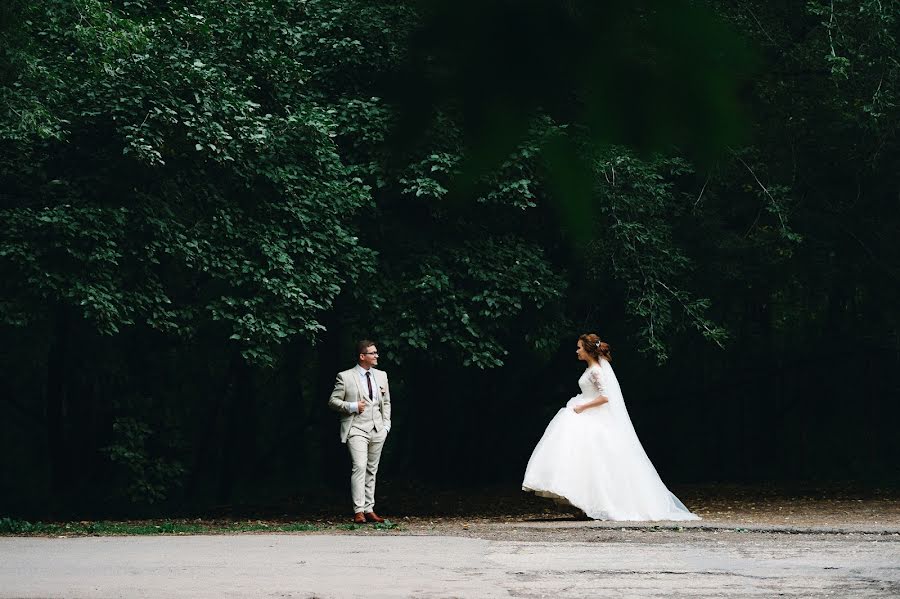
(362, 396)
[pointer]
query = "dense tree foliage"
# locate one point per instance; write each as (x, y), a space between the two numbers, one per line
(204, 205)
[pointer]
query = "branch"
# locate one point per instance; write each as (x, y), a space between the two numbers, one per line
(761, 28)
(887, 267)
(692, 312)
(765, 191)
(702, 189)
(830, 25)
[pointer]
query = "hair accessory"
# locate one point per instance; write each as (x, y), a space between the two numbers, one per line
(597, 344)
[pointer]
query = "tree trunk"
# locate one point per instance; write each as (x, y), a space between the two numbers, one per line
(240, 433)
(330, 359)
(206, 436)
(57, 363)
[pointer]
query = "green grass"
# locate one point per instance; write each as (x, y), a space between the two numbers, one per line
(10, 526)
(386, 525)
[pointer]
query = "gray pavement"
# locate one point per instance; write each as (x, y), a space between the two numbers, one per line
(614, 563)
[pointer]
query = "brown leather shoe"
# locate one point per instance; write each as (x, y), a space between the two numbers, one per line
(373, 517)
(358, 518)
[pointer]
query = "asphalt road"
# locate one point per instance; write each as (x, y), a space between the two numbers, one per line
(606, 562)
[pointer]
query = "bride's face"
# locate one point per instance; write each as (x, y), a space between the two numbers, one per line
(582, 355)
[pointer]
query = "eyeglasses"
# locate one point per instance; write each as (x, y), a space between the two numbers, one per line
(370, 353)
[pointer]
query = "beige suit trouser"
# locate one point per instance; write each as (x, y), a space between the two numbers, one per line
(365, 452)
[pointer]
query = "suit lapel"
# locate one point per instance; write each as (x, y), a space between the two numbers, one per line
(359, 389)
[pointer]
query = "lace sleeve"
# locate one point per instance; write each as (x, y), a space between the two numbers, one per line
(596, 377)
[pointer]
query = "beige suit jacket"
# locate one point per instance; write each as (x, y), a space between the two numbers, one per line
(348, 387)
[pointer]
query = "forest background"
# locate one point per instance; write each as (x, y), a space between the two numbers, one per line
(204, 205)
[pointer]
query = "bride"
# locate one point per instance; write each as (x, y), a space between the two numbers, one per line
(590, 456)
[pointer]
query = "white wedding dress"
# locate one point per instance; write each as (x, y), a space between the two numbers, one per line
(595, 462)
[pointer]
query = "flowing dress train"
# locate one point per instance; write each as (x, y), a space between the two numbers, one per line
(595, 462)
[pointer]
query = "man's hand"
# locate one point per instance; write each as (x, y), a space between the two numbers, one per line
(361, 406)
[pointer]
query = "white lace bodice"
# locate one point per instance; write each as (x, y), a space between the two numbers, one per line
(591, 382)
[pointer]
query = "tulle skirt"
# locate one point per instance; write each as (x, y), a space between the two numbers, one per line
(589, 462)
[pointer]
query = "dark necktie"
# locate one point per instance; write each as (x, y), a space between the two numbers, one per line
(369, 383)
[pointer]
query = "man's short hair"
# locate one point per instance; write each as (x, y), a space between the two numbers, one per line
(363, 345)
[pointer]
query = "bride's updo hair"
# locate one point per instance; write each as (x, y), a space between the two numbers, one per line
(595, 347)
